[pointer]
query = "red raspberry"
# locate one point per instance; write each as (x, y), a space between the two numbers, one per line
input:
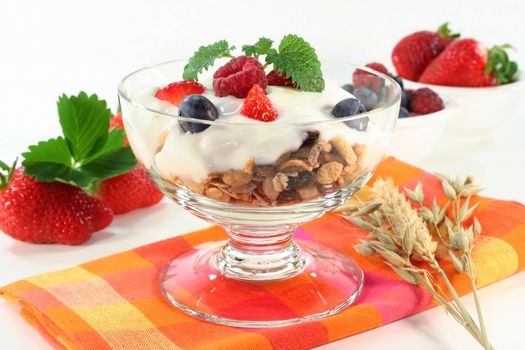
(362, 78)
(425, 101)
(238, 76)
(277, 79)
(176, 92)
(258, 106)
(129, 191)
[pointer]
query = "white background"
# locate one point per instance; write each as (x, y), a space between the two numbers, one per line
(51, 47)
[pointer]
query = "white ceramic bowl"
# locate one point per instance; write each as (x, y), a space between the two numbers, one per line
(480, 110)
(415, 138)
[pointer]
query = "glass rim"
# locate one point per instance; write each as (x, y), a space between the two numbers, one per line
(372, 113)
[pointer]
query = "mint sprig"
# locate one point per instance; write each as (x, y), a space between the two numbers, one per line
(204, 57)
(263, 46)
(299, 61)
(87, 153)
(294, 58)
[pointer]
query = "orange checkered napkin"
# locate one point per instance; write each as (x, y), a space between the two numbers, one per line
(115, 302)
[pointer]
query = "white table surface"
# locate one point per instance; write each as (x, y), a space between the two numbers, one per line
(66, 46)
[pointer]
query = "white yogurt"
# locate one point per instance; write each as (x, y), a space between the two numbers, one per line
(223, 147)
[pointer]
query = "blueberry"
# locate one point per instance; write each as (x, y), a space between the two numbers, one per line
(398, 80)
(367, 97)
(348, 87)
(404, 113)
(404, 99)
(197, 107)
(348, 107)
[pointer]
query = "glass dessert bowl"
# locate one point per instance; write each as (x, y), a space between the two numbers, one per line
(259, 180)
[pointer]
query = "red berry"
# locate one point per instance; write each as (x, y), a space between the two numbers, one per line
(277, 79)
(362, 78)
(55, 212)
(258, 106)
(176, 92)
(237, 77)
(378, 67)
(116, 123)
(425, 101)
(129, 191)
(413, 53)
(461, 64)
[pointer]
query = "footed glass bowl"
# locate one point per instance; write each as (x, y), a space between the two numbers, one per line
(260, 181)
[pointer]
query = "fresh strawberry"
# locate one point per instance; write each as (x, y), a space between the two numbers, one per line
(413, 53)
(55, 212)
(116, 123)
(277, 79)
(258, 106)
(129, 191)
(467, 62)
(362, 78)
(176, 92)
(237, 77)
(425, 101)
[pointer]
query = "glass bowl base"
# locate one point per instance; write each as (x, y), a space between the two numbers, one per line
(325, 282)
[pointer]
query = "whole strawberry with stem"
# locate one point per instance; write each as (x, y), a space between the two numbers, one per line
(413, 53)
(469, 63)
(47, 212)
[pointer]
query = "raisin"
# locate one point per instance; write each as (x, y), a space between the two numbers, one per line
(302, 179)
(288, 195)
(311, 138)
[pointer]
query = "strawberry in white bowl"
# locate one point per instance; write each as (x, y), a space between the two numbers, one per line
(485, 83)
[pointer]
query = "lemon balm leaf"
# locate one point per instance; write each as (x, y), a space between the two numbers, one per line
(298, 60)
(262, 47)
(204, 57)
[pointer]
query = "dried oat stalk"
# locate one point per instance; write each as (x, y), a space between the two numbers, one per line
(404, 233)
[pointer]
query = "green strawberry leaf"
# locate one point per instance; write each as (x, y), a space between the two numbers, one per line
(50, 161)
(262, 47)
(115, 140)
(500, 65)
(88, 153)
(110, 164)
(445, 32)
(7, 173)
(299, 61)
(204, 57)
(85, 122)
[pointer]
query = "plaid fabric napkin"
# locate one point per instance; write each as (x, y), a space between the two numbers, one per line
(115, 302)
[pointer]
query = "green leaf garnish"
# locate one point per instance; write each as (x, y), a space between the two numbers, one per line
(445, 32)
(299, 61)
(50, 161)
(85, 123)
(499, 63)
(261, 47)
(204, 57)
(88, 152)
